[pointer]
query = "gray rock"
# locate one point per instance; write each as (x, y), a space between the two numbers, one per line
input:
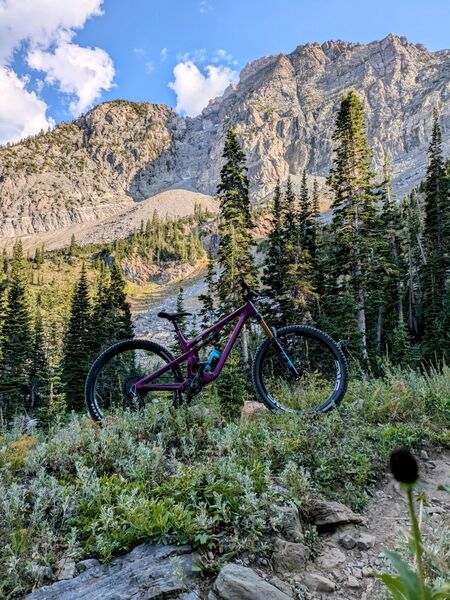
(289, 557)
(365, 541)
(88, 563)
(367, 571)
(65, 569)
(285, 108)
(290, 528)
(353, 583)
(148, 572)
(281, 585)
(241, 583)
(329, 514)
(347, 541)
(319, 583)
(330, 558)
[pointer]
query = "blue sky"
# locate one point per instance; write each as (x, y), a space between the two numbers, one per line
(59, 58)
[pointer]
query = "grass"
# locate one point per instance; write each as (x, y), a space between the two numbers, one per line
(79, 490)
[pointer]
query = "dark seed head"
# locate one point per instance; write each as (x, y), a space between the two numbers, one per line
(403, 465)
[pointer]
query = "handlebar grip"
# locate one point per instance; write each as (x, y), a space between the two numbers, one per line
(246, 289)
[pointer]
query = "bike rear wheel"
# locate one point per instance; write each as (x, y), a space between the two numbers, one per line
(301, 371)
(110, 381)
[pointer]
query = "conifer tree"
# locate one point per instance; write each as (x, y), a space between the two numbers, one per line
(207, 311)
(180, 307)
(235, 256)
(304, 209)
(78, 344)
(296, 296)
(415, 258)
(73, 246)
(5, 261)
(56, 399)
(111, 316)
(39, 375)
(291, 233)
(385, 302)
(231, 386)
(17, 338)
(435, 272)
(273, 272)
(123, 325)
(351, 180)
(315, 205)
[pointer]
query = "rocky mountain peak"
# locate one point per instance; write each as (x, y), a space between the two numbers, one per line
(283, 109)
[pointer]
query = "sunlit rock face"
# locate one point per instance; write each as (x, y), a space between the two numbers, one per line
(283, 109)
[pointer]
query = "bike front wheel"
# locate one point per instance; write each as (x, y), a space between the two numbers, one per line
(110, 384)
(301, 371)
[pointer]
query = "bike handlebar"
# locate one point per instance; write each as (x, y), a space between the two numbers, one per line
(247, 291)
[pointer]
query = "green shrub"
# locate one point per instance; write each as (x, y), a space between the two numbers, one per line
(191, 475)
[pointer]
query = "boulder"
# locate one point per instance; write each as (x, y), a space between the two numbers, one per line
(353, 583)
(65, 569)
(289, 557)
(88, 563)
(150, 571)
(251, 410)
(328, 514)
(365, 541)
(330, 558)
(290, 526)
(347, 541)
(318, 583)
(241, 583)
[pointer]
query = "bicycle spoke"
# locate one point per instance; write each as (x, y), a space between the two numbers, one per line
(299, 373)
(115, 383)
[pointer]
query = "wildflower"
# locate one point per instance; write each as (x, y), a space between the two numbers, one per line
(403, 465)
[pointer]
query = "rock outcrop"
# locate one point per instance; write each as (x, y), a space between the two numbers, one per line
(149, 571)
(283, 109)
(241, 583)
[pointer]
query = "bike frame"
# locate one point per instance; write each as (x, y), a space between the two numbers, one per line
(189, 351)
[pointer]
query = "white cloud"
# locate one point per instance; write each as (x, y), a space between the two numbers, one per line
(196, 56)
(139, 51)
(22, 113)
(163, 54)
(194, 89)
(35, 27)
(41, 22)
(80, 72)
(149, 66)
(222, 54)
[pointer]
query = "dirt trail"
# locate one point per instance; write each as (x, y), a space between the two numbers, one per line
(386, 517)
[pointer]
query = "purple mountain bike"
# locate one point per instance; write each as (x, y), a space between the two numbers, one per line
(297, 369)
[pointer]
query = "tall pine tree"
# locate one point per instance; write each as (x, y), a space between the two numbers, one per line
(235, 227)
(273, 273)
(78, 344)
(353, 235)
(207, 311)
(17, 338)
(435, 272)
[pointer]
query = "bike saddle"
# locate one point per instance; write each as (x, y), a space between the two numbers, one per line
(173, 316)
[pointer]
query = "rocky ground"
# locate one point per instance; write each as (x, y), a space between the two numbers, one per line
(352, 549)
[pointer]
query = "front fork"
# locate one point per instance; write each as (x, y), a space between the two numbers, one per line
(271, 333)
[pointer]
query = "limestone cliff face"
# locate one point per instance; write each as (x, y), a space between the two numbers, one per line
(283, 109)
(81, 171)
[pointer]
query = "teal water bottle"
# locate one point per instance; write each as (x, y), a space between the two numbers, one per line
(213, 359)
